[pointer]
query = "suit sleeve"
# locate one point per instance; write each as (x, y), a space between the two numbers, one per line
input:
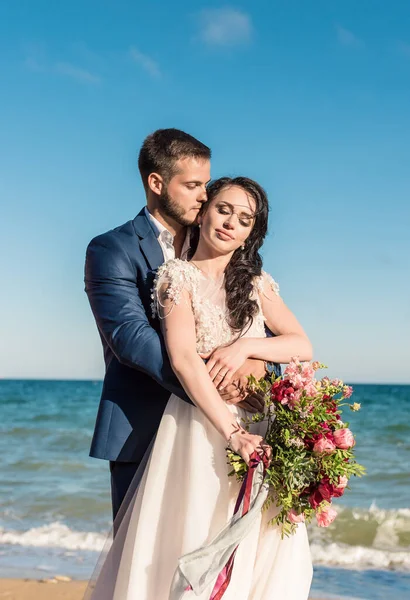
(120, 315)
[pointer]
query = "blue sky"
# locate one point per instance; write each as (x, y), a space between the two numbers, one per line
(311, 99)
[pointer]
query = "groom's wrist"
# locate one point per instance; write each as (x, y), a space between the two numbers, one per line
(272, 369)
(269, 367)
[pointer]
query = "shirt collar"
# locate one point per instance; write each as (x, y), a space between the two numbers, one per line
(158, 227)
(166, 236)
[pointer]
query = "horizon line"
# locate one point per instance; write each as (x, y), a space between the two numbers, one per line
(91, 380)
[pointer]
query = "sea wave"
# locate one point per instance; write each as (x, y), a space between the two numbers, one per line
(53, 535)
(372, 538)
(373, 527)
(364, 538)
(359, 557)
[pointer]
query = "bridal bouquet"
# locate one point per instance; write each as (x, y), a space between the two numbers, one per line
(312, 448)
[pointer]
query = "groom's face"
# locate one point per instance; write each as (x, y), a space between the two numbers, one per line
(183, 196)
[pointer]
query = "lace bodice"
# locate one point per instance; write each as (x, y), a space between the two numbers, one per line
(208, 302)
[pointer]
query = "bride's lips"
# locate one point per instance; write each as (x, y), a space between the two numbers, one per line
(223, 235)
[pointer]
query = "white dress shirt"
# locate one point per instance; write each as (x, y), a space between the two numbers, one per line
(166, 239)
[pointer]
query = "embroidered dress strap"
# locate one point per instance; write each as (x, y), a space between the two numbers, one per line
(171, 279)
(265, 284)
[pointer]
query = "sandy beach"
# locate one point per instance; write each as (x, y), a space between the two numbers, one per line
(46, 589)
(50, 589)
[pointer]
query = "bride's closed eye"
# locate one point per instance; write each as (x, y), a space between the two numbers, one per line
(225, 210)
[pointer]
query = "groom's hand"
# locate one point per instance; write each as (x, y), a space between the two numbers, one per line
(238, 393)
(253, 402)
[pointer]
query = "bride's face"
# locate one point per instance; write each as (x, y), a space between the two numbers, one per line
(228, 220)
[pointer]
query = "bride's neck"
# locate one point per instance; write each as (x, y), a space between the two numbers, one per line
(210, 262)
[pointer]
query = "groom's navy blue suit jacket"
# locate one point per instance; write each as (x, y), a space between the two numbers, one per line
(119, 271)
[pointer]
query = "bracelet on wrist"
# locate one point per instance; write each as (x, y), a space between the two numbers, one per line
(237, 429)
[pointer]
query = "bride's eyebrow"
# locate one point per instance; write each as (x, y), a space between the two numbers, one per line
(243, 214)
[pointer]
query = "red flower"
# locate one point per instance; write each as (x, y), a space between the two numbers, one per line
(329, 436)
(324, 425)
(331, 408)
(326, 489)
(282, 391)
(311, 441)
(315, 499)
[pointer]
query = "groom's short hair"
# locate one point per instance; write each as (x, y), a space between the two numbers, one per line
(161, 150)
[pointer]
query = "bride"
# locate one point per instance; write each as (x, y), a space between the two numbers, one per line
(221, 299)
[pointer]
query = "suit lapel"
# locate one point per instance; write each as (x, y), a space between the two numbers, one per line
(148, 241)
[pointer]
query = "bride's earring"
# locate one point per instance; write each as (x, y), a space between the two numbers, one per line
(243, 247)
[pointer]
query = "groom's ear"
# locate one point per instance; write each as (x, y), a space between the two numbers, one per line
(155, 183)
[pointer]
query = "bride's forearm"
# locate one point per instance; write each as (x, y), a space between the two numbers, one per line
(279, 349)
(193, 375)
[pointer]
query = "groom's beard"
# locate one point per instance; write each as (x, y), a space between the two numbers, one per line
(172, 210)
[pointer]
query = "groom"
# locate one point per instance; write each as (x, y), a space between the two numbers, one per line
(119, 271)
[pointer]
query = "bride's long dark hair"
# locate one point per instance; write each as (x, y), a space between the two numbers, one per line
(245, 264)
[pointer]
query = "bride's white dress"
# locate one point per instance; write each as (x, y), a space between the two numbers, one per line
(186, 497)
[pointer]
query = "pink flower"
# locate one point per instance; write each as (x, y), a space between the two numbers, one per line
(337, 382)
(326, 516)
(293, 367)
(343, 480)
(344, 438)
(316, 365)
(294, 517)
(301, 376)
(298, 381)
(339, 489)
(308, 371)
(324, 445)
(347, 391)
(311, 389)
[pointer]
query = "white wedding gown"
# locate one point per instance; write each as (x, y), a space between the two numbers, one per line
(185, 496)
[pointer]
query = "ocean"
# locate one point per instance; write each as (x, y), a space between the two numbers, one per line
(55, 502)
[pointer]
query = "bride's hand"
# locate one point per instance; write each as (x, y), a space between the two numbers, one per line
(245, 444)
(225, 361)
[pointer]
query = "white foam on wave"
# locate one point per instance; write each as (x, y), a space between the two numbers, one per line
(364, 538)
(324, 551)
(53, 535)
(359, 557)
(380, 515)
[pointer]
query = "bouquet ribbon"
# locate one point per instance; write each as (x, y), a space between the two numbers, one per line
(214, 561)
